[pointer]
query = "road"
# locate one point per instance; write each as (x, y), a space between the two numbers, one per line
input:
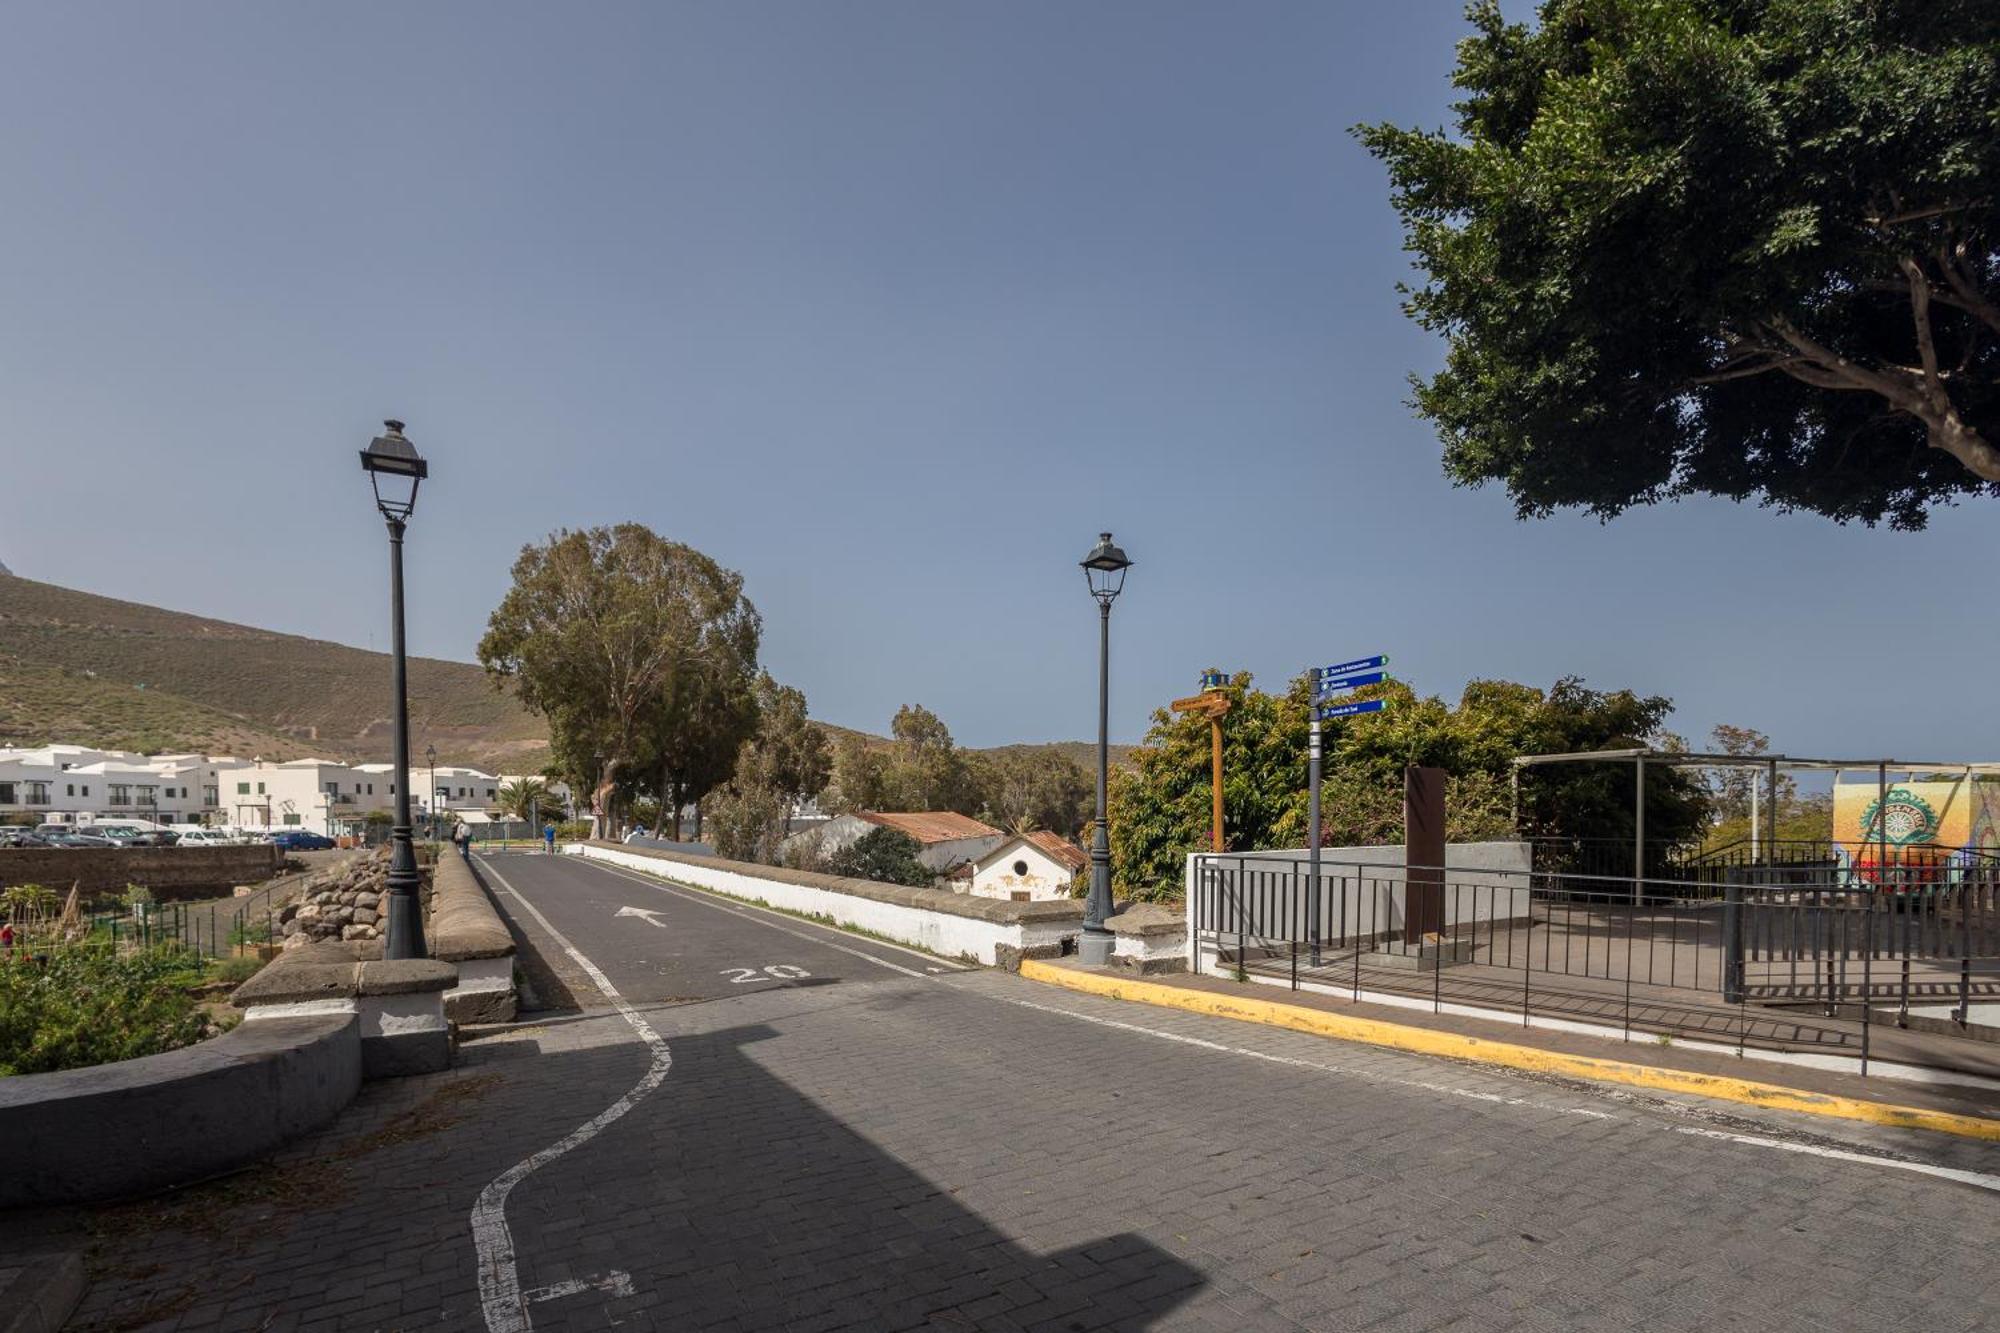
(757, 1123)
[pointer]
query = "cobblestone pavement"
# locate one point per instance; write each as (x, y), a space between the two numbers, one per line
(873, 1145)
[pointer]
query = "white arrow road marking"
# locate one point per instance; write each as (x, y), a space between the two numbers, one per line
(646, 914)
(500, 1292)
(615, 1283)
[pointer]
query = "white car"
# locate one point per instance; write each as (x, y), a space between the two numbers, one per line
(204, 837)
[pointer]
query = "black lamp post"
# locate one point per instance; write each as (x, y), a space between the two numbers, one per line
(1104, 568)
(395, 470)
(431, 796)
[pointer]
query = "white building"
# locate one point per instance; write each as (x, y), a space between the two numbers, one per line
(453, 789)
(74, 783)
(314, 794)
(1029, 867)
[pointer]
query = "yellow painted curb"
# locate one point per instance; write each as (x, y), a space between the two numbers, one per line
(1429, 1041)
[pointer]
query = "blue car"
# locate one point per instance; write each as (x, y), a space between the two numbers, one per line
(298, 840)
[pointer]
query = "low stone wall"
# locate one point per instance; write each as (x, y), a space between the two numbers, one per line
(1149, 939)
(111, 1131)
(985, 930)
(399, 1002)
(170, 872)
(467, 931)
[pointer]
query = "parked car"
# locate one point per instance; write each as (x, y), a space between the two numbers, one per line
(20, 837)
(298, 840)
(68, 839)
(204, 837)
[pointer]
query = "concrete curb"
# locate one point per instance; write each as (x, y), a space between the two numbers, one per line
(39, 1292)
(1478, 1050)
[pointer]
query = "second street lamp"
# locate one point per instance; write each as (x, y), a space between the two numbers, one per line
(431, 795)
(1104, 569)
(395, 470)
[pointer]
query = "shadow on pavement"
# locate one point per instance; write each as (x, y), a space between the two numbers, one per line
(733, 1201)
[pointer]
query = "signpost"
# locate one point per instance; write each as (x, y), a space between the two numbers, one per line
(1213, 704)
(1328, 682)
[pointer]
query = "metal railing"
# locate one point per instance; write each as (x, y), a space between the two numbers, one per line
(1666, 955)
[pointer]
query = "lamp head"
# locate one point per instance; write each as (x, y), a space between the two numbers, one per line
(395, 469)
(1104, 568)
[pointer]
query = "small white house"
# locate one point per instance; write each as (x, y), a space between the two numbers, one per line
(1029, 867)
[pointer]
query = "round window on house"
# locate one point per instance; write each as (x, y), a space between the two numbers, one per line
(1021, 867)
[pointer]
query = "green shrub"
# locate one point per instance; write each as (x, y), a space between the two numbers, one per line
(575, 830)
(91, 1006)
(883, 855)
(236, 969)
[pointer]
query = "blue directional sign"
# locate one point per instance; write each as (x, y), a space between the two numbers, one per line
(1352, 682)
(1350, 710)
(1358, 664)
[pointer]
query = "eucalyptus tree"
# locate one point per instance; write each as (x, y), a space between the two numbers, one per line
(601, 631)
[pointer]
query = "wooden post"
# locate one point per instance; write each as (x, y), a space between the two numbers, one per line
(1213, 705)
(1215, 775)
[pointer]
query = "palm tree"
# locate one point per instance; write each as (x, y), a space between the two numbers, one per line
(523, 798)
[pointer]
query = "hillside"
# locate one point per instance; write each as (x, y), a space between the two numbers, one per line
(94, 670)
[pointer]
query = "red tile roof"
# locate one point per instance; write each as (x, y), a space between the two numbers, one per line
(928, 826)
(1061, 848)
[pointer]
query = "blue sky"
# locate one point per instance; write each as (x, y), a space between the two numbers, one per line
(891, 307)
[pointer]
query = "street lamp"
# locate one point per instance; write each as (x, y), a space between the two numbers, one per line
(431, 794)
(395, 470)
(1104, 569)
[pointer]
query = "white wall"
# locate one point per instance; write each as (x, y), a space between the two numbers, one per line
(940, 932)
(1042, 877)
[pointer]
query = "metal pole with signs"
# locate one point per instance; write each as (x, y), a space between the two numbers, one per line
(1327, 682)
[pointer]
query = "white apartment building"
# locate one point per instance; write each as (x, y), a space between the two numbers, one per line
(74, 784)
(314, 794)
(457, 789)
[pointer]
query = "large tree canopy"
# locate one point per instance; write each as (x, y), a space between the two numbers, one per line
(1739, 247)
(608, 633)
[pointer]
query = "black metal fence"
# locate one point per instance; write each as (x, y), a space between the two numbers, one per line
(1601, 946)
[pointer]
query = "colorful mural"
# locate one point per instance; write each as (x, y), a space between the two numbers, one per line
(1914, 829)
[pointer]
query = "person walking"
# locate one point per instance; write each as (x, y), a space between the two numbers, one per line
(549, 837)
(461, 837)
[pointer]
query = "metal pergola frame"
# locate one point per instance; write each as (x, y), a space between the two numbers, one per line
(1640, 756)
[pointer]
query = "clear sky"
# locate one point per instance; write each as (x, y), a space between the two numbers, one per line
(890, 306)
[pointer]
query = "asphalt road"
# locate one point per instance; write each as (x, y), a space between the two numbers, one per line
(761, 1123)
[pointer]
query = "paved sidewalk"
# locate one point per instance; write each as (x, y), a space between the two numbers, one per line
(1951, 1095)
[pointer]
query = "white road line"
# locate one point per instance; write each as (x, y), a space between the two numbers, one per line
(500, 1292)
(1975, 1178)
(617, 1283)
(743, 909)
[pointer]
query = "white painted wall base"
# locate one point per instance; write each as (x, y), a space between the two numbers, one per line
(940, 932)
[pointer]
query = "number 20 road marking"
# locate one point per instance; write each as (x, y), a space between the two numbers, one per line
(774, 972)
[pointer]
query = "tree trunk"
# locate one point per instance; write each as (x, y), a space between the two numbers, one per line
(674, 797)
(603, 800)
(697, 821)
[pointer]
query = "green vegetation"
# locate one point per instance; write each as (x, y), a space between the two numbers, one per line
(1018, 786)
(112, 673)
(883, 855)
(1160, 807)
(641, 654)
(1734, 247)
(786, 762)
(89, 1006)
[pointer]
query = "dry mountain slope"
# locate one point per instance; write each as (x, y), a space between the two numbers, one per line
(75, 666)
